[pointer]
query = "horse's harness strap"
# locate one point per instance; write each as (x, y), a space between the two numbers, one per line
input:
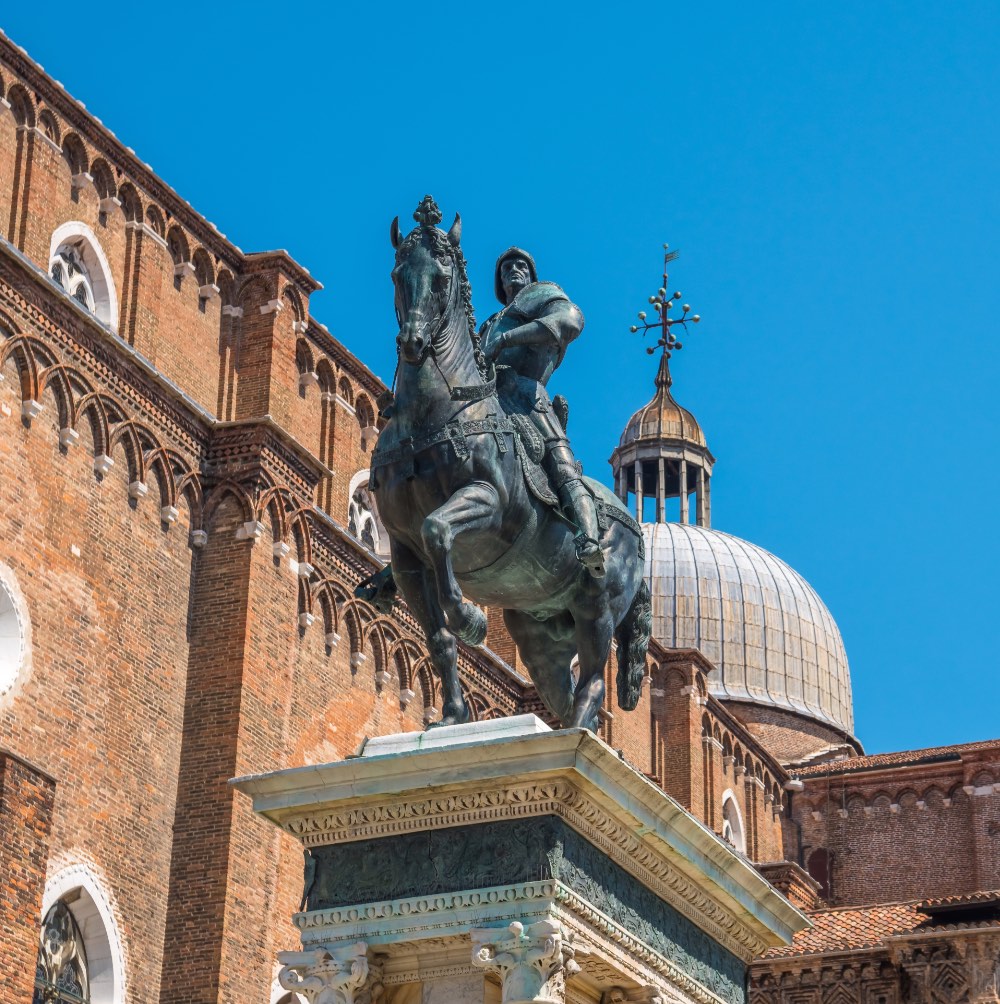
(476, 391)
(455, 432)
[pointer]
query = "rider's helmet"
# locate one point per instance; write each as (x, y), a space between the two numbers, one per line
(512, 253)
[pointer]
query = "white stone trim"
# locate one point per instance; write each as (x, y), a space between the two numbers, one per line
(739, 832)
(107, 984)
(102, 283)
(570, 774)
(393, 927)
(12, 680)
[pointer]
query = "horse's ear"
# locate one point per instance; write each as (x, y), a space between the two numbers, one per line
(455, 234)
(394, 233)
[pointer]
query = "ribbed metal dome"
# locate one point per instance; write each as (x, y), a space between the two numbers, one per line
(759, 622)
(663, 418)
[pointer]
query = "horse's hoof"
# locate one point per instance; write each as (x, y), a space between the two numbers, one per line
(457, 717)
(471, 626)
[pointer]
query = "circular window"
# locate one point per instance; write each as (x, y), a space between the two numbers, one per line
(11, 638)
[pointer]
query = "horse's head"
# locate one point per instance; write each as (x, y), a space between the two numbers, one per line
(430, 280)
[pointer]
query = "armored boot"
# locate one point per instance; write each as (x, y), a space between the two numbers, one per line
(575, 498)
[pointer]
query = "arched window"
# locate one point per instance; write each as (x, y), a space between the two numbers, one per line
(79, 927)
(78, 264)
(12, 633)
(732, 823)
(820, 867)
(62, 975)
(362, 517)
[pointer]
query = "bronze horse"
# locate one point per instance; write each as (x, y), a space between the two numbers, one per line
(465, 529)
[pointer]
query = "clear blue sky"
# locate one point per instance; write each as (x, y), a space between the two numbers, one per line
(830, 172)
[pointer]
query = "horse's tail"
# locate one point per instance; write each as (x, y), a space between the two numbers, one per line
(632, 636)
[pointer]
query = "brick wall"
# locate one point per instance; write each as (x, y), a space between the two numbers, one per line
(26, 797)
(905, 833)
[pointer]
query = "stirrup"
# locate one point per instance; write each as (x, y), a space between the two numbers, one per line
(589, 554)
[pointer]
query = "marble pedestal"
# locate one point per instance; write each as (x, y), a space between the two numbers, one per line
(504, 863)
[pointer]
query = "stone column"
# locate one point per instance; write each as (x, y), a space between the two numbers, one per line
(638, 490)
(532, 961)
(661, 492)
(699, 502)
(684, 491)
(341, 974)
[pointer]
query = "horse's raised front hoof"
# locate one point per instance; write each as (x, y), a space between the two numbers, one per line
(451, 715)
(470, 625)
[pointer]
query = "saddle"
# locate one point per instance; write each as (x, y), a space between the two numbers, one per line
(530, 449)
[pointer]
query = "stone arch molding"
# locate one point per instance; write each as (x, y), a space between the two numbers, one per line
(83, 240)
(361, 515)
(733, 829)
(79, 886)
(15, 635)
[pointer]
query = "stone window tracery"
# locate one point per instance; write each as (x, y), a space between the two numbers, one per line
(732, 823)
(62, 975)
(77, 264)
(362, 516)
(12, 637)
(361, 519)
(67, 270)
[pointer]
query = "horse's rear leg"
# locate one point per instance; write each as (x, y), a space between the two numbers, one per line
(593, 646)
(415, 582)
(547, 649)
(474, 507)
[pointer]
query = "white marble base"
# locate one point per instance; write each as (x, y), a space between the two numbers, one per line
(455, 735)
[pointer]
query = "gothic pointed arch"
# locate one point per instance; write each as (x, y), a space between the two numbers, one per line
(79, 266)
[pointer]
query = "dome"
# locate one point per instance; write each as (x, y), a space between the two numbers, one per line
(663, 418)
(764, 628)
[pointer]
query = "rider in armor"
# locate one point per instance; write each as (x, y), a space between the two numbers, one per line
(530, 336)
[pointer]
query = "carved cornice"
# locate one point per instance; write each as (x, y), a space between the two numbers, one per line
(245, 449)
(114, 151)
(511, 801)
(442, 920)
(114, 365)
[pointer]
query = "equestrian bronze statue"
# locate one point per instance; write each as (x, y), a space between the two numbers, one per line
(479, 491)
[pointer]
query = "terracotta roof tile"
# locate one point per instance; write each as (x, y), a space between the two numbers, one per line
(903, 758)
(984, 897)
(843, 929)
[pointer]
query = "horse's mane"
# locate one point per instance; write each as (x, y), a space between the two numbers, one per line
(441, 246)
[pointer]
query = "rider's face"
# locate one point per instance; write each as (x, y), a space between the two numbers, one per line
(515, 274)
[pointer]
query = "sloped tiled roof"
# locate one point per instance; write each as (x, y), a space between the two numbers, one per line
(848, 929)
(877, 761)
(843, 929)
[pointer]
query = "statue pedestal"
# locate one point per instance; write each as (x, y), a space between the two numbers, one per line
(504, 863)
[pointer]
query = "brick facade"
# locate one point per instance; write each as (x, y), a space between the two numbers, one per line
(26, 797)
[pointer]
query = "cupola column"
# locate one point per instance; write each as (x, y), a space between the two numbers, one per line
(661, 491)
(684, 491)
(638, 490)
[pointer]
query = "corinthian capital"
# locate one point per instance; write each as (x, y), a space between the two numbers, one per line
(532, 961)
(339, 974)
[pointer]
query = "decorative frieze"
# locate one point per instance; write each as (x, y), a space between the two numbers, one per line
(560, 798)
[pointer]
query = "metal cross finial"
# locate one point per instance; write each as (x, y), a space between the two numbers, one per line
(427, 213)
(663, 304)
